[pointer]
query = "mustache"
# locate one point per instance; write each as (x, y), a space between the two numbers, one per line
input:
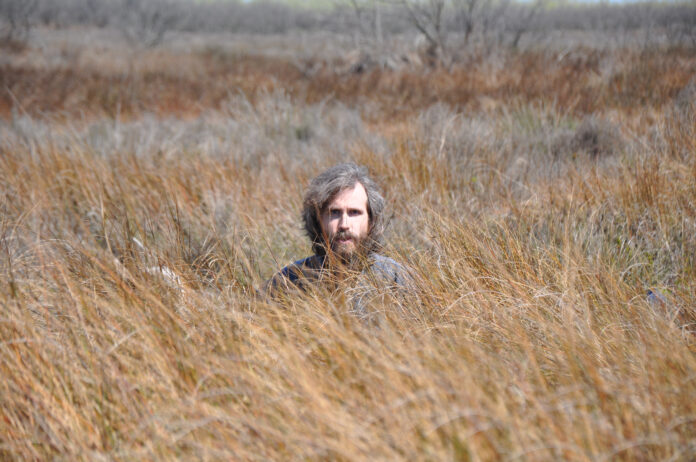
(345, 235)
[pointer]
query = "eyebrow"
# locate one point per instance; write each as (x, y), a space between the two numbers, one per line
(350, 209)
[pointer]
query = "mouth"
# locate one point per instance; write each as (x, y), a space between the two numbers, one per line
(343, 239)
(344, 244)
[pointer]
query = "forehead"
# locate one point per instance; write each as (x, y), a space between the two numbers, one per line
(354, 197)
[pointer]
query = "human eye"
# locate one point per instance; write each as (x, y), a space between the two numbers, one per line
(355, 212)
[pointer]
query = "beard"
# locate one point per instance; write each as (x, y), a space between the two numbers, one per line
(349, 248)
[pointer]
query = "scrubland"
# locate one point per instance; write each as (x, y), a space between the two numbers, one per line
(536, 195)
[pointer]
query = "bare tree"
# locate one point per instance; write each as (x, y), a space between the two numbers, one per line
(145, 22)
(524, 16)
(368, 16)
(15, 19)
(427, 17)
(467, 13)
(96, 12)
(455, 28)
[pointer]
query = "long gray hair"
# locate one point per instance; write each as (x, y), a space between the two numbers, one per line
(324, 188)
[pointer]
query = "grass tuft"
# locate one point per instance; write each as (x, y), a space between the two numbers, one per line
(133, 240)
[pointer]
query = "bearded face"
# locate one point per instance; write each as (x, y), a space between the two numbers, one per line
(346, 223)
(347, 246)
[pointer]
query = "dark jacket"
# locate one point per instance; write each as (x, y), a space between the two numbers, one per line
(380, 272)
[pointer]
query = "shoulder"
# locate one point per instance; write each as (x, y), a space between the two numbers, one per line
(295, 273)
(390, 269)
(303, 268)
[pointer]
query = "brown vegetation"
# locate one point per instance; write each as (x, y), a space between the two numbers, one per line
(537, 197)
(582, 82)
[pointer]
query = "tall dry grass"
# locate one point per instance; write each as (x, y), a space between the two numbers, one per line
(131, 249)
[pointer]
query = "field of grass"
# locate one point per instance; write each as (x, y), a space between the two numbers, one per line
(537, 196)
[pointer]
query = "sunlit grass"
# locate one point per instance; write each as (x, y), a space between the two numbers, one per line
(131, 251)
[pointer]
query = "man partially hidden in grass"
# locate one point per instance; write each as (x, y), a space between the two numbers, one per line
(343, 214)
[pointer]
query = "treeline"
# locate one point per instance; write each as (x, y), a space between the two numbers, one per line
(445, 25)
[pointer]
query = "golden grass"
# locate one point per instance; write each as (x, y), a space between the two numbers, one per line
(533, 243)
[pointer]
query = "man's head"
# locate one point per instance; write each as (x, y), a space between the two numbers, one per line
(343, 211)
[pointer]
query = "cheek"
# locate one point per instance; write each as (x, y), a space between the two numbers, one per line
(363, 225)
(328, 225)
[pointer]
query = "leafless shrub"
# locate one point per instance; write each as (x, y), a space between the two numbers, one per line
(685, 102)
(428, 19)
(680, 127)
(97, 12)
(16, 20)
(369, 21)
(592, 137)
(454, 30)
(145, 22)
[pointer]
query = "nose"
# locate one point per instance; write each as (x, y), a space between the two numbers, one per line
(343, 222)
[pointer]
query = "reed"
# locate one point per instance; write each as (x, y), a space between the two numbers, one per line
(132, 244)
